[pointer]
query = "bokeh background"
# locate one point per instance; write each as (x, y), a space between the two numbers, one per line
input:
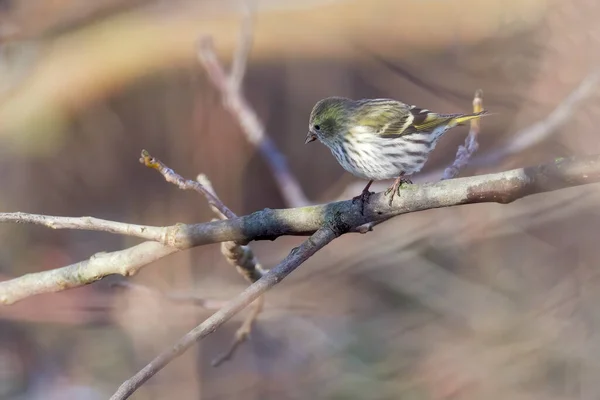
(481, 301)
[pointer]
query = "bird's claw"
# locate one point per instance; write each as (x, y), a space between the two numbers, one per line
(393, 190)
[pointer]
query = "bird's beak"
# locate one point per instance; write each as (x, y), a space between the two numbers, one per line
(310, 137)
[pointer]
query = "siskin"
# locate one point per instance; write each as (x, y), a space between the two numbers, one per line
(377, 139)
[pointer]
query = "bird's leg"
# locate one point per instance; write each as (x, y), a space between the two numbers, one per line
(363, 197)
(395, 188)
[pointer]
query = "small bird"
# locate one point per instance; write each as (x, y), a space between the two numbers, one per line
(377, 139)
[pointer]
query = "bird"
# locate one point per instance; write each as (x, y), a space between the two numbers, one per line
(379, 139)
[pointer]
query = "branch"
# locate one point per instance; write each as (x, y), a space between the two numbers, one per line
(296, 257)
(464, 153)
(237, 105)
(345, 216)
(503, 187)
(125, 262)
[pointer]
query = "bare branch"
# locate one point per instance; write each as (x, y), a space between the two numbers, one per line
(502, 187)
(464, 153)
(125, 262)
(345, 216)
(155, 233)
(185, 184)
(237, 105)
(296, 257)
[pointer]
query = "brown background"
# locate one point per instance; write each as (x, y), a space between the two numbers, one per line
(482, 301)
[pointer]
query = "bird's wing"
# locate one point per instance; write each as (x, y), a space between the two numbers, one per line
(392, 119)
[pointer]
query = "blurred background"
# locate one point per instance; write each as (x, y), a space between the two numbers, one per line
(481, 301)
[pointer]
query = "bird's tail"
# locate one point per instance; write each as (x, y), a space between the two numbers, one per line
(460, 119)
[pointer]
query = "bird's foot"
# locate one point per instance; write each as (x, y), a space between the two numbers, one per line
(364, 199)
(393, 190)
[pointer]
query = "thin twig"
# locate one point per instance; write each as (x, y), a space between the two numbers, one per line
(503, 187)
(155, 233)
(296, 257)
(207, 184)
(185, 184)
(235, 102)
(464, 153)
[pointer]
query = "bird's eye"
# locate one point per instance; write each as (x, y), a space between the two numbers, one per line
(317, 128)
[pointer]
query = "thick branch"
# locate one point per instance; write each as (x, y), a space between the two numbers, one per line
(502, 187)
(344, 216)
(296, 257)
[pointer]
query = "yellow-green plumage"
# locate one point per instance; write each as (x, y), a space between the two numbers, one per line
(378, 139)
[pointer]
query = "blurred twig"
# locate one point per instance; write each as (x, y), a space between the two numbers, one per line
(188, 298)
(503, 187)
(296, 257)
(230, 86)
(534, 134)
(464, 153)
(240, 58)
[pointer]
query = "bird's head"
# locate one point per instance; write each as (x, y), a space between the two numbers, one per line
(328, 119)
